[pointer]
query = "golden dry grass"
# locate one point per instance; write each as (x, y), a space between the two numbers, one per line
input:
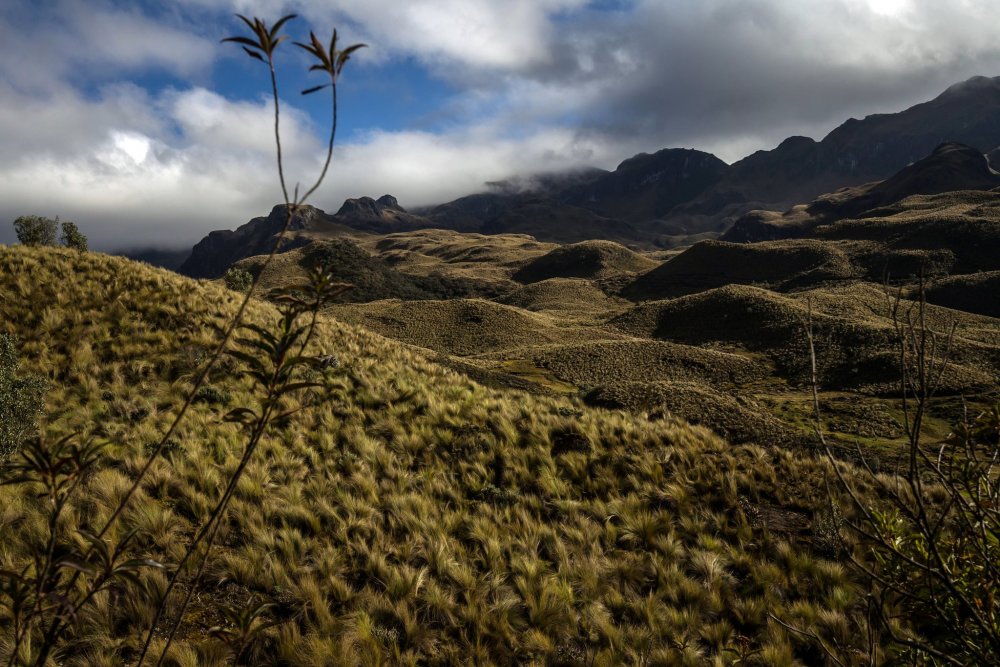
(418, 518)
(465, 327)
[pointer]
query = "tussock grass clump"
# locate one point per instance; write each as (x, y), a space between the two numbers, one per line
(616, 362)
(415, 518)
(736, 419)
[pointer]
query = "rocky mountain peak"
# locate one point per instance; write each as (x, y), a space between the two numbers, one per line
(367, 208)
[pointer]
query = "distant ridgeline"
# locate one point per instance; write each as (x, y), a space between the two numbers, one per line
(678, 196)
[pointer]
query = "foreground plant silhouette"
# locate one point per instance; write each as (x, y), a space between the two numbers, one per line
(46, 597)
(930, 542)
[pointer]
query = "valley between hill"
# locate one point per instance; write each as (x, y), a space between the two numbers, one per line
(658, 333)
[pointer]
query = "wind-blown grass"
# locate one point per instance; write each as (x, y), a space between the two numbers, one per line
(418, 518)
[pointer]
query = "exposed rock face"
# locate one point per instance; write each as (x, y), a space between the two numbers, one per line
(211, 256)
(382, 216)
(220, 249)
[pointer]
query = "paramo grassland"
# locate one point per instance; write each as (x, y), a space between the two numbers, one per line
(418, 517)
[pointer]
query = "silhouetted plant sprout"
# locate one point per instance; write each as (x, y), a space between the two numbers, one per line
(276, 362)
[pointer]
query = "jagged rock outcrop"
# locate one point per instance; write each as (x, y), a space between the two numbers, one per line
(215, 253)
(381, 216)
(220, 249)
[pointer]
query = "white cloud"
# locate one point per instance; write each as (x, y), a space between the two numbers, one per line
(208, 163)
(46, 46)
(511, 34)
(547, 84)
(210, 120)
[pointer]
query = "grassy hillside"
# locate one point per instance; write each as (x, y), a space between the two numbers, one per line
(854, 332)
(748, 302)
(588, 259)
(418, 518)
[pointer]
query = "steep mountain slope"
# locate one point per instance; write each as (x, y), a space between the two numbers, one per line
(857, 152)
(674, 196)
(647, 187)
(417, 516)
(551, 220)
(950, 167)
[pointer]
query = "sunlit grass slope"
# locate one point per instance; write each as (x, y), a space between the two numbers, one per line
(418, 518)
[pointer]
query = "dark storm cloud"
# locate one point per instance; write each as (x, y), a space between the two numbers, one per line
(737, 76)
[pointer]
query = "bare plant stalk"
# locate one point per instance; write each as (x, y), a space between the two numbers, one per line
(332, 63)
(932, 570)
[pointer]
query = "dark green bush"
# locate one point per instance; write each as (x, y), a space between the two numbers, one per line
(36, 230)
(237, 279)
(212, 395)
(20, 399)
(72, 238)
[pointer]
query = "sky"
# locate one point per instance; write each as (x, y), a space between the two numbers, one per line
(134, 120)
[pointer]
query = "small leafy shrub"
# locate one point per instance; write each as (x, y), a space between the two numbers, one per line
(20, 399)
(72, 237)
(36, 230)
(939, 558)
(237, 279)
(212, 395)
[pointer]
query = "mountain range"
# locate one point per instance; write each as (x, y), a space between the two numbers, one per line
(674, 196)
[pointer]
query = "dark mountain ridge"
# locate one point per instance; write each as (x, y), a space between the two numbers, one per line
(857, 152)
(675, 196)
(950, 167)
